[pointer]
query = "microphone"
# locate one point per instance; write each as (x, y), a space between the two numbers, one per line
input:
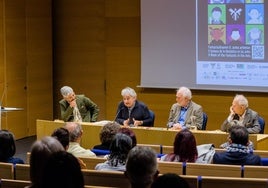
(168, 126)
(116, 116)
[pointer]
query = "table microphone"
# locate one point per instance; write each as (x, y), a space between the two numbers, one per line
(118, 113)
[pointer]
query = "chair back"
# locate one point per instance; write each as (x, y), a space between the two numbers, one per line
(11, 183)
(6, 170)
(152, 115)
(205, 120)
(262, 124)
(105, 178)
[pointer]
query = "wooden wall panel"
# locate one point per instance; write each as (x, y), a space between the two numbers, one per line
(26, 60)
(79, 52)
(16, 61)
(39, 62)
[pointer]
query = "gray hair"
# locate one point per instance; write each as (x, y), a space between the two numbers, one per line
(75, 130)
(141, 166)
(186, 92)
(242, 100)
(41, 150)
(66, 90)
(128, 91)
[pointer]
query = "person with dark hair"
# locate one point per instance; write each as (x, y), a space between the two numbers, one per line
(119, 148)
(237, 152)
(130, 133)
(216, 16)
(62, 135)
(62, 170)
(8, 148)
(76, 132)
(184, 148)
(141, 167)
(77, 108)
(170, 180)
(131, 112)
(107, 133)
(41, 150)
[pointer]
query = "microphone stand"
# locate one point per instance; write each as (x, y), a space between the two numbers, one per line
(116, 116)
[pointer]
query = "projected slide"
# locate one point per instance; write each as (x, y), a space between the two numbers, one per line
(231, 46)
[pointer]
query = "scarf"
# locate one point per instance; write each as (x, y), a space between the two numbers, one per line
(237, 148)
(77, 115)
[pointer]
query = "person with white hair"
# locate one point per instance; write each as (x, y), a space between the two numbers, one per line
(77, 108)
(131, 112)
(185, 113)
(240, 112)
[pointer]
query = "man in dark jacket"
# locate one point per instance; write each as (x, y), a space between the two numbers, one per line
(237, 152)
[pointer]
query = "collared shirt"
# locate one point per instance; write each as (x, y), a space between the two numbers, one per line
(182, 116)
(78, 151)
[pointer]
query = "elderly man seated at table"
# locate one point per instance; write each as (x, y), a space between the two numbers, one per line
(240, 112)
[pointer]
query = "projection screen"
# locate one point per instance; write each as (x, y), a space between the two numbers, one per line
(204, 44)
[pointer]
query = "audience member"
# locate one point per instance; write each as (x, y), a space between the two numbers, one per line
(226, 144)
(130, 133)
(185, 113)
(8, 148)
(40, 152)
(75, 131)
(107, 133)
(241, 112)
(237, 152)
(131, 112)
(170, 180)
(62, 135)
(62, 170)
(184, 148)
(77, 108)
(119, 148)
(141, 167)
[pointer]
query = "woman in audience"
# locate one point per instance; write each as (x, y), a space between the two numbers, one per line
(8, 148)
(130, 133)
(62, 170)
(119, 148)
(41, 150)
(107, 134)
(184, 148)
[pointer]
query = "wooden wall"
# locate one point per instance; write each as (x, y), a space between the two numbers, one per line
(95, 48)
(103, 38)
(25, 64)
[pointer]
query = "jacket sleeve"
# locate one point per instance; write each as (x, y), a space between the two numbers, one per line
(92, 108)
(66, 111)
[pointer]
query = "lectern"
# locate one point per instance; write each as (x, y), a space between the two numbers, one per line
(7, 109)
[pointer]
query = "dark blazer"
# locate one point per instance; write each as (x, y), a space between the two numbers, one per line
(140, 112)
(236, 158)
